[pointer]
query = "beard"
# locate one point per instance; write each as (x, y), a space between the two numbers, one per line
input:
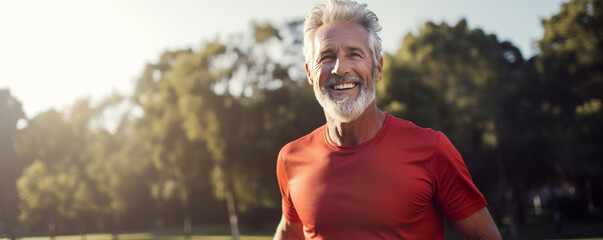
(344, 108)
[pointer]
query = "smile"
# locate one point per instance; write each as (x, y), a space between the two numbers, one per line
(343, 86)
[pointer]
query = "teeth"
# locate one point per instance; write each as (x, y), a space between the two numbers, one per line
(344, 86)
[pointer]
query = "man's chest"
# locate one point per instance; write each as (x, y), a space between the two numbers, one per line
(380, 187)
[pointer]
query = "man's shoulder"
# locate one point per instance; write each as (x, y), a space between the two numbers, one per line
(305, 142)
(407, 129)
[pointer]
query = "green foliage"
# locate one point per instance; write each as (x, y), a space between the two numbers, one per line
(569, 77)
(206, 120)
(10, 166)
(75, 174)
(240, 130)
(52, 186)
(47, 196)
(264, 32)
(453, 79)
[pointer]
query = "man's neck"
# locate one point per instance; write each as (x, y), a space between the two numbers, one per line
(358, 131)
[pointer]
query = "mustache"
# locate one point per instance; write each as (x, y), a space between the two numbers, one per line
(334, 79)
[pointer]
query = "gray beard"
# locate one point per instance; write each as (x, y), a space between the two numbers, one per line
(343, 108)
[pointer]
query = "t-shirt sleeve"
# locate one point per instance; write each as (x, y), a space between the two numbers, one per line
(283, 183)
(456, 195)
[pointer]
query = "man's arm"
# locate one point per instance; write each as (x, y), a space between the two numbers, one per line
(478, 226)
(288, 230)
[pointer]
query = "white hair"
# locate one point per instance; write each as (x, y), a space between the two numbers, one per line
(338, 11)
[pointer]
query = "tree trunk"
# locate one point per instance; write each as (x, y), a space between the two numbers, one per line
(82, 228)
(51, 228)
(589, 196)
(232, 214)
(226, 178)
(521, 212)
(7, 202)
(187, 226)
(185, 208)
(115, 228)
(503, 187)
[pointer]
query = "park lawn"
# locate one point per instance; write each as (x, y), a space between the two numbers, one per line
(145, 236)
(150, 236)
(576, 230)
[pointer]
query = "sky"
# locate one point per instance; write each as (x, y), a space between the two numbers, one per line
(53, 52)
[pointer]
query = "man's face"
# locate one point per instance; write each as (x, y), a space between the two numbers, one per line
(341, 70)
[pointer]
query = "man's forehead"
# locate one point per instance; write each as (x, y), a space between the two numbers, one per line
(346, 32)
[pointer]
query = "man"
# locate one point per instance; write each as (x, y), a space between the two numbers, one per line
(366, 174)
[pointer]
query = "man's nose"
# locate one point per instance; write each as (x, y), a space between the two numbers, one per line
(342, 66)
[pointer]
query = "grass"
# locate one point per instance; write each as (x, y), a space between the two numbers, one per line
(541, 228)
(149, 236)
(146, 236)
(536, 230)
(220, 232)
(525, 232)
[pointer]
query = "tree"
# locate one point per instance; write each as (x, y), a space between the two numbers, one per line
(112, 164)
(242, 129)
(567, 88)
(62, 187)
(237, 102)
(455, 79)
(10, 166)
(46, 187)
(177, 161)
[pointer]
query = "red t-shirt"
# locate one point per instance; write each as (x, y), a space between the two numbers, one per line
(398, 185)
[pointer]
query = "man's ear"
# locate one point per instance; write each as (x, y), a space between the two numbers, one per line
(309, 75)
(379, 70)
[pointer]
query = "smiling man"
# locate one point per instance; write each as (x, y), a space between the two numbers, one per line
(366, 174)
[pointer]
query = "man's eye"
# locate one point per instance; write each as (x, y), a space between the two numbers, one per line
(355, 54)
(327, 57)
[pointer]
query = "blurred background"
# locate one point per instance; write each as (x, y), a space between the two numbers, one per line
(165, 118)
